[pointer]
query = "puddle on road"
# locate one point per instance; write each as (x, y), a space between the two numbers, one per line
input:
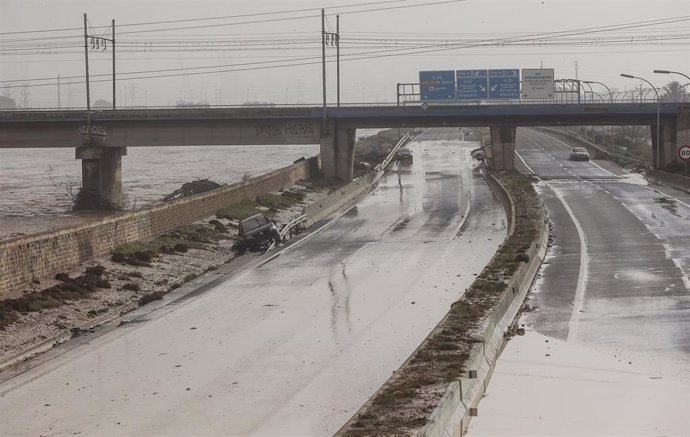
(668, 204)
(636, 275)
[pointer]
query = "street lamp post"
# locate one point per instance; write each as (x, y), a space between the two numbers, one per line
(658, 128)
(672, 72)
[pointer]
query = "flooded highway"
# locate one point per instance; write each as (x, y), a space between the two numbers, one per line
(296, 345)
(607, 350)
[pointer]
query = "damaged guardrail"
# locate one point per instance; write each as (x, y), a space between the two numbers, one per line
(403, 140)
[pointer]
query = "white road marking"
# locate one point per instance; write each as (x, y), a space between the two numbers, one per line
(524, 162)
(579, 299)
(612, 174)
(464, 218)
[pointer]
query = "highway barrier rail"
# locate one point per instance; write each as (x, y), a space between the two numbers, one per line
(403, 140)
(674, 180)
(336, 200)
(437, 390)
(461, 399)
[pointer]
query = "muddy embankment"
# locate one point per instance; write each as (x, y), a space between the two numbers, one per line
(56, 284)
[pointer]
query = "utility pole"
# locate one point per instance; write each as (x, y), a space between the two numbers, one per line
(113, 45)
(337, 51)
(88, 91)
(58, 83)
(323, 64)
(96, 44)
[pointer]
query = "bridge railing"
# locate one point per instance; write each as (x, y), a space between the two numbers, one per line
(78, 113)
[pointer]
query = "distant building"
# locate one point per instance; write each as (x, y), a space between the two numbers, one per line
(7, 103)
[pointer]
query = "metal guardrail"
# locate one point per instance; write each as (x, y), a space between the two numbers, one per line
(300, 108)
(292, 226)
(403, 140)
(287, 232)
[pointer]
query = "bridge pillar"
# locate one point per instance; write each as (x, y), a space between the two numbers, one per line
(338, 153)
(502, 154)
(665, 155)
(682, 132)
(101, 176)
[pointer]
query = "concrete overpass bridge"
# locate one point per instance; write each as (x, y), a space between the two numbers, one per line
(102, 142)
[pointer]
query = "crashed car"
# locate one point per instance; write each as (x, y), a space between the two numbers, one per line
(404, 154)
(579, 154)
(257, 233)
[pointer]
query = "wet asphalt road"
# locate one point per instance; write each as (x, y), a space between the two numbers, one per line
(296, 345)
(616, 278)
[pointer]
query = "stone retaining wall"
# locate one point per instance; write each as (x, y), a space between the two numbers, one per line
(41, 256)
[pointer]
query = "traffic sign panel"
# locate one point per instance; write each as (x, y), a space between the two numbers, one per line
(537, 83)
(472, 84)
(684, 152)
(504, 84)
(437, 85)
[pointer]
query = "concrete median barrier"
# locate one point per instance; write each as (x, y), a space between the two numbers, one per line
(461, 399)
(336, 200)
(672, 180)
(436, 391)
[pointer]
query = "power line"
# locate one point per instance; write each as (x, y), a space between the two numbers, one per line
(378, 54)
(600, 29)
(167, 58)
(290, 11)
(260, 13)
(409, 50)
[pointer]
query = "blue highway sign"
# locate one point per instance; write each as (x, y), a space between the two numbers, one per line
(437, 85)
(472, 84)
(504, 84)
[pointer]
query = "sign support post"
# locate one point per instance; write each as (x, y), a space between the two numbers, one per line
(323, 65)
(684, 154)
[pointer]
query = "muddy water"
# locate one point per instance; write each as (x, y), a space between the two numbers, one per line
(35, 183)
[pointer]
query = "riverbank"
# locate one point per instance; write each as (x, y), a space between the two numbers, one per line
(203, 246)
(36, 183)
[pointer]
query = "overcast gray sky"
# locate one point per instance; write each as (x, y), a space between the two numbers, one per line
(474, 34)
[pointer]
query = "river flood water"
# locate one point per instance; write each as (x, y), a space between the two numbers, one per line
(35, 183)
